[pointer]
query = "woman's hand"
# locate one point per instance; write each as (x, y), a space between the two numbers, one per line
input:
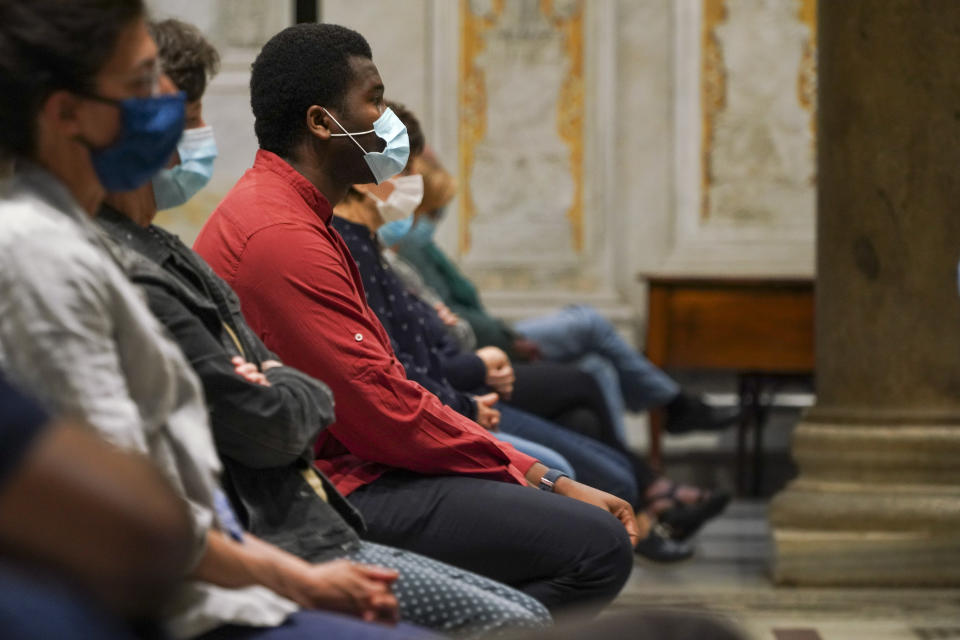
(356, 589)
(487, 416)
(500, 375)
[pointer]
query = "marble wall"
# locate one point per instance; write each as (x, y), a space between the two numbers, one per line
(593, 140)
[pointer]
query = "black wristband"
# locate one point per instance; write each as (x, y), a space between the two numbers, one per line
(549, 480)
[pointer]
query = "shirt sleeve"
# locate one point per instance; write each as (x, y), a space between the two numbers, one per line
(60, 318)
(305, 307)
(447, 393)
(465, 371)
(58, 333)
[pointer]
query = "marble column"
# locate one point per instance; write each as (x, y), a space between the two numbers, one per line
(877, 501)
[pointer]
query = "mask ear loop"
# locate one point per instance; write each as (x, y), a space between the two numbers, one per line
(345, 132)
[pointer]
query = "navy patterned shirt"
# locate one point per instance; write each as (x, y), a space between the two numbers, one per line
(425, 349)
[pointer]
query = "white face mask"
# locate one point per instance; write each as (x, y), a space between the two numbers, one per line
(406, 196)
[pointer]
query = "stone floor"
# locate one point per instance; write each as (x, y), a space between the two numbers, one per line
(729, 578)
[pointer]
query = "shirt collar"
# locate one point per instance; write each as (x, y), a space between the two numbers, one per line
(269, 161)
(144, 240)
(44, 185)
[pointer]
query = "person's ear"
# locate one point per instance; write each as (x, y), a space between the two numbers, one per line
(60, 112)
(166, 86)
(318, 122)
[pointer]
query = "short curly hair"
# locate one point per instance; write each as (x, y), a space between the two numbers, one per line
(49, 45)
(303, 65)
(186, 56)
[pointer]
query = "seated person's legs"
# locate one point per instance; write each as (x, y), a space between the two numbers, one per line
(551, 389)
(543, 453)
(578, 330)
(595, 463)
(557, 550)
(451, 600)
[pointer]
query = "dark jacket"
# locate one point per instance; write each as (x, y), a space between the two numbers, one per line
(264, 435)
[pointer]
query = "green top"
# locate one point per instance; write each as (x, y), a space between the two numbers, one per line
(458, 293)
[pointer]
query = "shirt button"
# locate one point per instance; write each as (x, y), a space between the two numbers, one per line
(358, 337)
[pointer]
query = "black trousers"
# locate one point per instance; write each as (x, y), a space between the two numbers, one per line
(563, 552)
(572, 398)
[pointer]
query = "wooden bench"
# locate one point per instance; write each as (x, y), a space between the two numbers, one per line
(759, 328)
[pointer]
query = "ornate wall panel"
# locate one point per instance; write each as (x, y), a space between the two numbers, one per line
(745, 137)
(758, 140)
(522, 134)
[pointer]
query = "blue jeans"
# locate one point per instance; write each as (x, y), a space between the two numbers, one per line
(596, 464)
(579, 334)
(546, 455)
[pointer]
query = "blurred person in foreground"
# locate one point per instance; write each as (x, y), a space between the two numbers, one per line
(75, 517)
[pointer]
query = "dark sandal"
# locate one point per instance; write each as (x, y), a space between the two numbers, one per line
(683, 520)
(658, 546)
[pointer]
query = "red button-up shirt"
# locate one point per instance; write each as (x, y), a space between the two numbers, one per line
(271, 240)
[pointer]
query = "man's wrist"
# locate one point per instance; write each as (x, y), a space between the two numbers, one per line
(549, 480)
(563, 485)
(535, 473)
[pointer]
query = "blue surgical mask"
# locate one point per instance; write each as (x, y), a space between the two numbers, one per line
(391, 232)
(175, 186)
(391, 161)
(422, 233)
(149, 131)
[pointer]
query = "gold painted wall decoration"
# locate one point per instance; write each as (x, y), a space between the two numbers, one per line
(758, 103)
(521, 126)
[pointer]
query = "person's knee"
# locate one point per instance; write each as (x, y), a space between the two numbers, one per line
(528, 615)
(589, 319)
(608, 556)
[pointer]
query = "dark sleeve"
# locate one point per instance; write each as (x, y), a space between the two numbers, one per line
(465, 371)
(448, 395)
(255, 425)
(21, 421)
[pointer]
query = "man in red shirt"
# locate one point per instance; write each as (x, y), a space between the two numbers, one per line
(424, 477)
